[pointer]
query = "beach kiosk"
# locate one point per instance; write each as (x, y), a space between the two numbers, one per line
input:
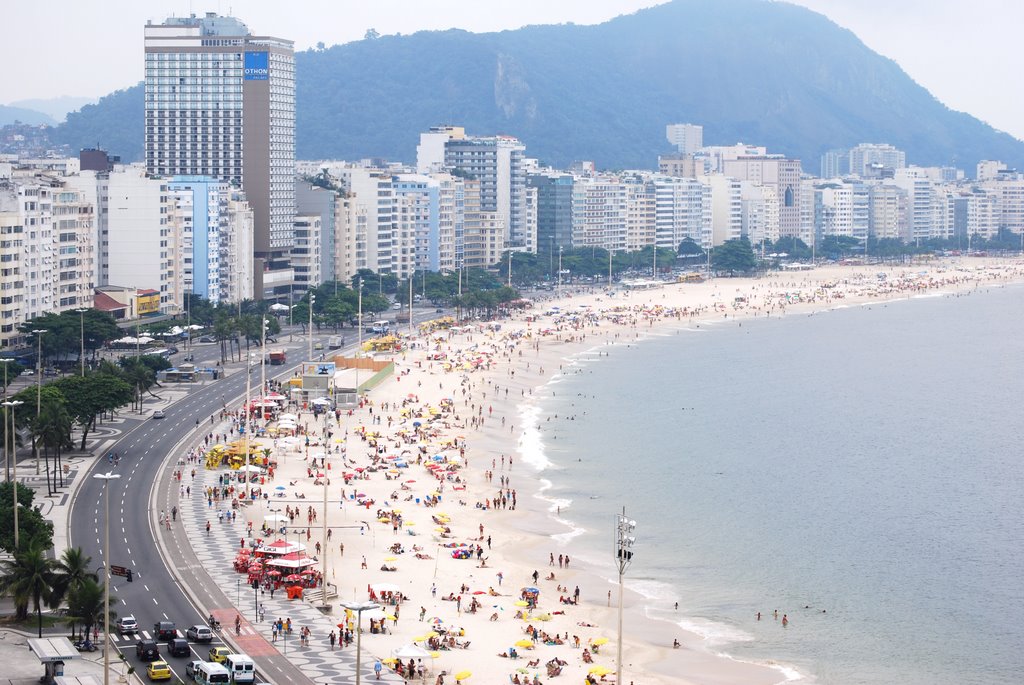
(52, 653)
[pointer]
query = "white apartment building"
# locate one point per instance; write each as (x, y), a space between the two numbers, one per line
(686, 138)
(887, 212)
(920, 202)
(599, 213)
(220, 102)
(305, 253)
(640, 214)
(350, 238)
(372, 189)
(484, 230)
(236, 250)
(726, 208)
(137, 248)
(760, 207)
(878, 155)
(682, 209)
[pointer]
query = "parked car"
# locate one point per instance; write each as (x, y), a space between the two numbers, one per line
(207, 339)
(199, 633)
(147, 650)
(178, 647)
(127, 624)
(158, 670)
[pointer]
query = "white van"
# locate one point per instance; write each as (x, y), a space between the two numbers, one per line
(210, 673)
(241, 668)
(380, 326)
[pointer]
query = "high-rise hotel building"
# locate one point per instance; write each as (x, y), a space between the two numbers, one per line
(220, 102)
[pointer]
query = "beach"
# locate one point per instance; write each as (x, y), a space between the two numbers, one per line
(446, 458)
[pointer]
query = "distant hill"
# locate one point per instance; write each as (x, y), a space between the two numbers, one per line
(10, 114)
(760, 72)
(58, 107)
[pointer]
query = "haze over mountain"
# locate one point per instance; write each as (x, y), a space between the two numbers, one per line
(57, 107)
(10, 114)
(765, 73)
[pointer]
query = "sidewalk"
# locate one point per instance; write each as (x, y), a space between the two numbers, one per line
(21, 667)
(216, 552)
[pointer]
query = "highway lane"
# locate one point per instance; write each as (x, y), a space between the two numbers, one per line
(154, 595)
(144, 448)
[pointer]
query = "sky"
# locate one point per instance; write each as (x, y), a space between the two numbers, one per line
(965, 52)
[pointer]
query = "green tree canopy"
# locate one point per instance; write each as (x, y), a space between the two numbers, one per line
(734, 256)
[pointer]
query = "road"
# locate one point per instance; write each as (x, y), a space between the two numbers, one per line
(146, 448)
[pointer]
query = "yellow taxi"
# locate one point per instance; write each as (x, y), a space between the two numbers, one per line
(158, 670)
(219, 655)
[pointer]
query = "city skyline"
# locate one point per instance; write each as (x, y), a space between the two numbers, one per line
(915, 34)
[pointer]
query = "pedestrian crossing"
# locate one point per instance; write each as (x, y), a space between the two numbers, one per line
(131, 638)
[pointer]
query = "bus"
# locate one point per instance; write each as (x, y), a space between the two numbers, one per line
(209, 673)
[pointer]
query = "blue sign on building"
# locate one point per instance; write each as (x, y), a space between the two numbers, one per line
(256, 66)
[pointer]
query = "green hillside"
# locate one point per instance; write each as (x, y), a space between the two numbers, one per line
(752, 71)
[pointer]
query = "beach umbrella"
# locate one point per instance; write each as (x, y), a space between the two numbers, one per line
(599, 641)
(383, 587)
(411, 651)
(390, 558)
(525, 644)
(280, 487)
(522, 603)
(600, 671)
(462, 675)
(275, 518)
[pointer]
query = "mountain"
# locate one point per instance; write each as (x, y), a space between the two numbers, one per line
(10, 114)
(760, 72)
(58, 107)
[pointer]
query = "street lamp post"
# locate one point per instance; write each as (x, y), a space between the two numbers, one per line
(39, 392)
(359, 608)
(12, 457)
(312, 301)
(559, 270)
(359, 345)
(263, 362)
(81, 322)
(106, 478)
(624, 540)
(7, 469)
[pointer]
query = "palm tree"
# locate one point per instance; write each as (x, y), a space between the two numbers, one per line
(53, 430)
(28, 578)
(86, 604)
(70, 573)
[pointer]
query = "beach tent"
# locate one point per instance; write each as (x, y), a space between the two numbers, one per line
(410, 652)
(293, 560)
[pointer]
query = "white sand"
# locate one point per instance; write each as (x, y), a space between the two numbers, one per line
(519, 538)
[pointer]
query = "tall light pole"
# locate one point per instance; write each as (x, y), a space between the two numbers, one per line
(81, 322)
(39, 389)
(410, 303)
(7, 468)
(106, 478)
(359, 345)
(624, 540)
(510, 253)
(248, 421)
(559, 270)
(13, 458)
(359, 608)
(312, 301)
(263, 364)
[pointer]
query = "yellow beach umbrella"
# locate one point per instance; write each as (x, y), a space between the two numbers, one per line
(525, 644)
(522, 603)
(600, 671)
(435, 655)
(599, 641)
(462, 675)
(389, 660)
(390, 558)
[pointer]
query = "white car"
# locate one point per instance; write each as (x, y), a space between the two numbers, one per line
(127, 624)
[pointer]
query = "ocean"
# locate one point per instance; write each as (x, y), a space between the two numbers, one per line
(859, 470)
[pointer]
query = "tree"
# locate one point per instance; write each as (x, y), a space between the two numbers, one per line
(734, 256)
(31, 524)
(51, 428)
(689, 248)
(70, 573)
(793, 247)
(90, 397)
(85, 603)
(28, 579)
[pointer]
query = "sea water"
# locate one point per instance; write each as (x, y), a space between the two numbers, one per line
(859, 470)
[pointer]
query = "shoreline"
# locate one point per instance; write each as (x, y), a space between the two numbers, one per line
(518, 356)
